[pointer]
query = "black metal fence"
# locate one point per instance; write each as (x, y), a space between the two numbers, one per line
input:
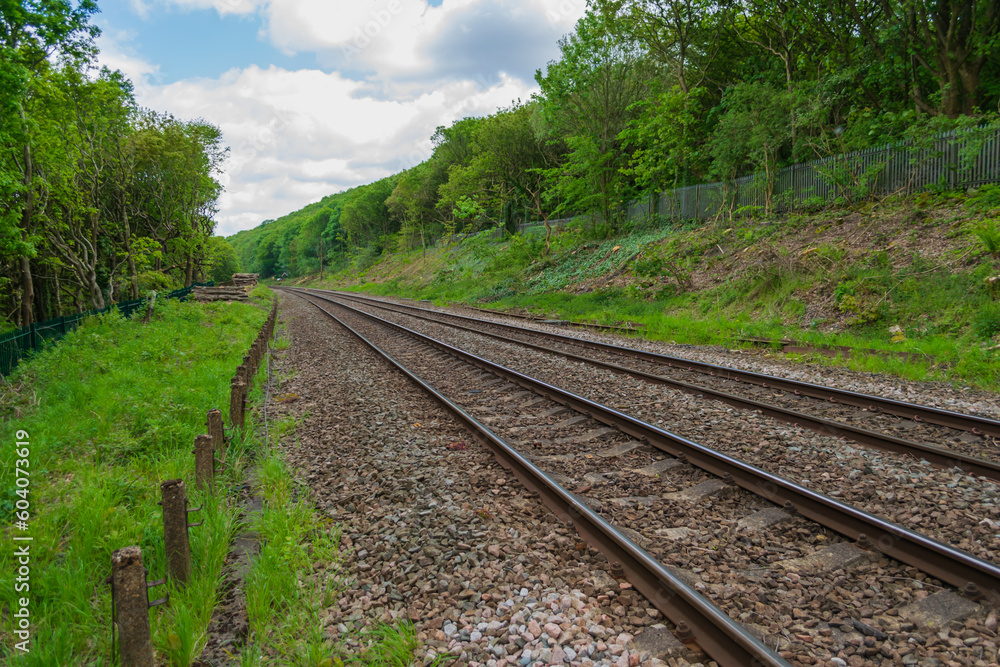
(950, 161)
(16, 344)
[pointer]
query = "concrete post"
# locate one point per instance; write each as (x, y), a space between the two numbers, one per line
(236, 398)
(216, 430)
(175, 530)
(204, 462)
(243, 373)
(131, 601)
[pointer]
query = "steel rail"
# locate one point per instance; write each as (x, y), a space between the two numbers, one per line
(938, 456)
(571, 323)
(975, 576)
(920, 413)
(722, 638)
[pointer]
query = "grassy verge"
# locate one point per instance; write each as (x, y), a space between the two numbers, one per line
(298, 573)
(111, 412)
(911, 276)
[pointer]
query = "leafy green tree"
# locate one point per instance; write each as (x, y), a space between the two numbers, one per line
(752, 132)
(667, 140)
(32, 34)
(220, 260)
(942, 47)
(366, 218)
(588, 99)
(684, 35)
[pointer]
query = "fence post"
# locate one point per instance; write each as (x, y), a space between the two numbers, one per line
(175, 530)
(236, 398)
(217, 431)
(130, 598)
(243, 373)
(204, 462)
(32, 340)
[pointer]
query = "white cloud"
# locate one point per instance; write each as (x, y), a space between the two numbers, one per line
(296, 136)
(398, 38)
(117, 53)
(224, 7)
(400, 68)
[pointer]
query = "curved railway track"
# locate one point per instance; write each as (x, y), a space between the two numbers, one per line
(616, 465)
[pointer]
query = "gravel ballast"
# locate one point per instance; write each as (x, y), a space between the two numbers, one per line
(434, 530)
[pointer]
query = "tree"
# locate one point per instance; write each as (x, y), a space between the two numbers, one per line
(31, 34)
(754, 129)
(366, 218)
(220, 260)
(587, 101)
(412, 200)
(943, 45)
(667, 139)
(685, 35)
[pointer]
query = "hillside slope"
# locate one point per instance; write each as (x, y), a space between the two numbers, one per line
(908, 275)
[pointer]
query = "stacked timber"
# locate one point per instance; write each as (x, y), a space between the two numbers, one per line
(237, 289)
(233, 293)
(245, 280)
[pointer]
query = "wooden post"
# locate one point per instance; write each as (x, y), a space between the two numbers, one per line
(204, 462)
(175, 530)
(217, 431)
(131, 605)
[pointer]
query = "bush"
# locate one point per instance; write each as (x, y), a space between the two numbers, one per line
(156, 281)
(987, 322)
(986, 198)
(989, 235)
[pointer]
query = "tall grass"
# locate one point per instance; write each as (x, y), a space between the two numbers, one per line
(111, 412)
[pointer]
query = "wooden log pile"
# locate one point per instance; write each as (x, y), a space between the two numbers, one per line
(245, 280)
(237, 289)
(207, 294)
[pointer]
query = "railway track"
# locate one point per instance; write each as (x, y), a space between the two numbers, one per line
(974, 439)
(617, 464)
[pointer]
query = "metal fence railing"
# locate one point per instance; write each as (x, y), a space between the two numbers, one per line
(16, 344)
(953, 160)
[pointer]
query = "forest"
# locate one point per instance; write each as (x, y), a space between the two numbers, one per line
(100, 199)
(649, 95)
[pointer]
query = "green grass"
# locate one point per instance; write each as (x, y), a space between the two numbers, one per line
(111, 412)
(950, 319)
(298, 574)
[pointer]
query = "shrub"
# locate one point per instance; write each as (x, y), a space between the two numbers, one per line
(986, 198)
(989, 235)
(987, 322)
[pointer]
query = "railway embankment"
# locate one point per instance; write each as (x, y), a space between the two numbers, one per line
(910, 283)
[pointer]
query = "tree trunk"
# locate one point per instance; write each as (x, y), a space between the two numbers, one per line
(27, 288)
(96, 296)
(134, 273)
(27, 284)
(189, 270)
(59, 310)
(42, 301)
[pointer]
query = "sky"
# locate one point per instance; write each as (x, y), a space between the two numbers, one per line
(317, 96)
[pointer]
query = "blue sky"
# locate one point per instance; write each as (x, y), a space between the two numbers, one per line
(314, 96)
